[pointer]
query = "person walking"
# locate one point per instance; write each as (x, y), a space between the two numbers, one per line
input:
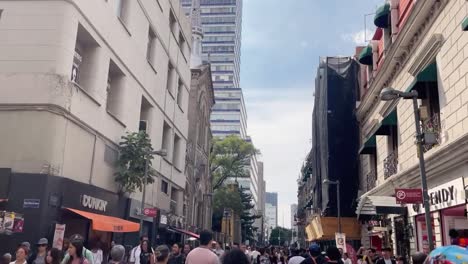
(40, 256)
(54, 256)
(117, 254)
(176, 257)
(202, 254)
(21, 255)
(98, 256)
(386, 257)
(187, 249)
(264, 257)
(162, 254)
(136, 251)
(78, 240)
(75, 252)
(6, 258)
(346, 259)
(146, 253)
(419, 258)
(314, 256)
(334, 255)
(235, 256)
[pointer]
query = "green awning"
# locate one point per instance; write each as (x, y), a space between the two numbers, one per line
(429, 74)
(365, 57)
(386, 124)
(465, 24)
(369, 146)
(382, 16)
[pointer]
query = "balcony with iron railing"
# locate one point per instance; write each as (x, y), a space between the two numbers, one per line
(371, 180)
(390, 164)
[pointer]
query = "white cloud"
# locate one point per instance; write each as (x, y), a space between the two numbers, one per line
(358, 38)
(280, 126)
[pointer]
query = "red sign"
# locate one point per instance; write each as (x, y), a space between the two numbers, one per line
(150, 212)
(408, 196)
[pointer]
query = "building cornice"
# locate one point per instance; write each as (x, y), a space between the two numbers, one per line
(423, 15)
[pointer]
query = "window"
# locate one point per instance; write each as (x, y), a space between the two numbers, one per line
(151, 46)
(110, 155)
(171, 76)
(164, 186)
(174, 194)
(84, 60)
(390, 163)
(145, 115)
(180, 93)
(173, 23)
(182, 43)
(177, 152)
(166, 137)
(115, 93)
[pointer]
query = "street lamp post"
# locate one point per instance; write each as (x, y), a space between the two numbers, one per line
(390, 94)
(161, 153)
(338, 202)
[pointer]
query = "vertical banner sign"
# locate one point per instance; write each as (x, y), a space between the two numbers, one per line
(340, 239)
(58, 236)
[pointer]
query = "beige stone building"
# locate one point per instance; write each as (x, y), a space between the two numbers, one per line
(77, 75)
(418, 45)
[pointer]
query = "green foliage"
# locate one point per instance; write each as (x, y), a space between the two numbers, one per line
(247, 218)
(230, 157)
(227, 198)
(135, 149)
(279, 236)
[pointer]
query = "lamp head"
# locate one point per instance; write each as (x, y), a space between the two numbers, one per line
(389, 94)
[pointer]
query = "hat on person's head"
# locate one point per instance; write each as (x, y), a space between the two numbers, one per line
(315, 250)
(26, 244)
(43, 241)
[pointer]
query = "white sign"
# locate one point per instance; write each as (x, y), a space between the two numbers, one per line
(443, 196)
(58, 236)
(340, 239)
(93, 203)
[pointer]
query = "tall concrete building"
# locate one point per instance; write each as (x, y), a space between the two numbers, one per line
(271, 209)
(294, 227)
(76, 76)
(222, 26)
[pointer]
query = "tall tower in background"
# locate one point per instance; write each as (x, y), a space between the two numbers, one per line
(221, 22)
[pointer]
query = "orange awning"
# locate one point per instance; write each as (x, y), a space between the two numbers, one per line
(108, 223)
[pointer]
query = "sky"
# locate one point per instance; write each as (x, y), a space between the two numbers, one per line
(282, 41)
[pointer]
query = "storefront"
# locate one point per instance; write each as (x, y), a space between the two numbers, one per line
(53, 205)
(448, 212)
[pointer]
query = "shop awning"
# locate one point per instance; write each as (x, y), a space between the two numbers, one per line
(429, 74)
(465, 24)
(324, 228)
(185, 232)
(382, 16)
(365, 57)
(108, 223)
(389, 121)
(369, 146)
(374, 205)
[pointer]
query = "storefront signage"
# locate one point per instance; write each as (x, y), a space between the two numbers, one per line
(93, 203)
(408, 196)
(58, 236)
(150, 212)
(340, 239)
(443, 196)
(31, 203)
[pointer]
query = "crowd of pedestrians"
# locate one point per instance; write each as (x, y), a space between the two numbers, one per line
(209, 252)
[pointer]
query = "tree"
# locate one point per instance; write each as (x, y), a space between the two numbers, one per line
(246, 216)
(279, 236)
(230, 158)
(135, 150)
(225, 198)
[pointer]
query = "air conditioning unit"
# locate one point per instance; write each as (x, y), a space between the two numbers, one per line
(143, 125)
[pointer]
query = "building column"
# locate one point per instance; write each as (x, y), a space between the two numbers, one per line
(395, 17)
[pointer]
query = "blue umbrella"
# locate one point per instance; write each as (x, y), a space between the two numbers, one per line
(448, 255)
